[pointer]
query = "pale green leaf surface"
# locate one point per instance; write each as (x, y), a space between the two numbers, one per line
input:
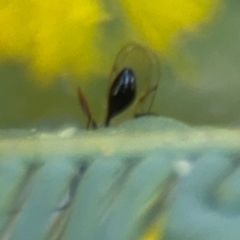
(92, 198)
(144, 187)
(48, 188)
(195, 212)
(12, 172)
(114, 183)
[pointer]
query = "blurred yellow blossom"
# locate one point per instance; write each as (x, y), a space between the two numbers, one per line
(155, 230)
(60, 36)
(159, 21)
(54, 36)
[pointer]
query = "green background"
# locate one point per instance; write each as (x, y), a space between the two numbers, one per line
(200, 88)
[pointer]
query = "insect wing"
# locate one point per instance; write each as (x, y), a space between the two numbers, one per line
(145, 65)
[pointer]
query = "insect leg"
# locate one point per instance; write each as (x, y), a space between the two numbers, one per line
(153, 91)
(86, 109)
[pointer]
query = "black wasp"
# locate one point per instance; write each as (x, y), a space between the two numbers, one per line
(134, 77)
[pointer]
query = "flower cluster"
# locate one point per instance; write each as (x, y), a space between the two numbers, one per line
(60, 36)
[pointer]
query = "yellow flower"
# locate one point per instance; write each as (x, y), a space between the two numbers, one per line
(155, 230)
(53, 36)
(81, 37)
(159, 21)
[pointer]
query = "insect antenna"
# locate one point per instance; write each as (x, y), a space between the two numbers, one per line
(86, 109)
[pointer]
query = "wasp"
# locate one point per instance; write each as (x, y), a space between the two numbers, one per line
(134, 77)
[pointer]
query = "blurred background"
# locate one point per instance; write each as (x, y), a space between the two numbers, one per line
(49, 48)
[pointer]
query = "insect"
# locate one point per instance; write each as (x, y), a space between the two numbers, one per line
(134, 77)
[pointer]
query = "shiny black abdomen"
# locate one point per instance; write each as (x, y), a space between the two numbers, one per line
(122, 93)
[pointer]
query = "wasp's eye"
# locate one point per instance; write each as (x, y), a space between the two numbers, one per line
(122, 93)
